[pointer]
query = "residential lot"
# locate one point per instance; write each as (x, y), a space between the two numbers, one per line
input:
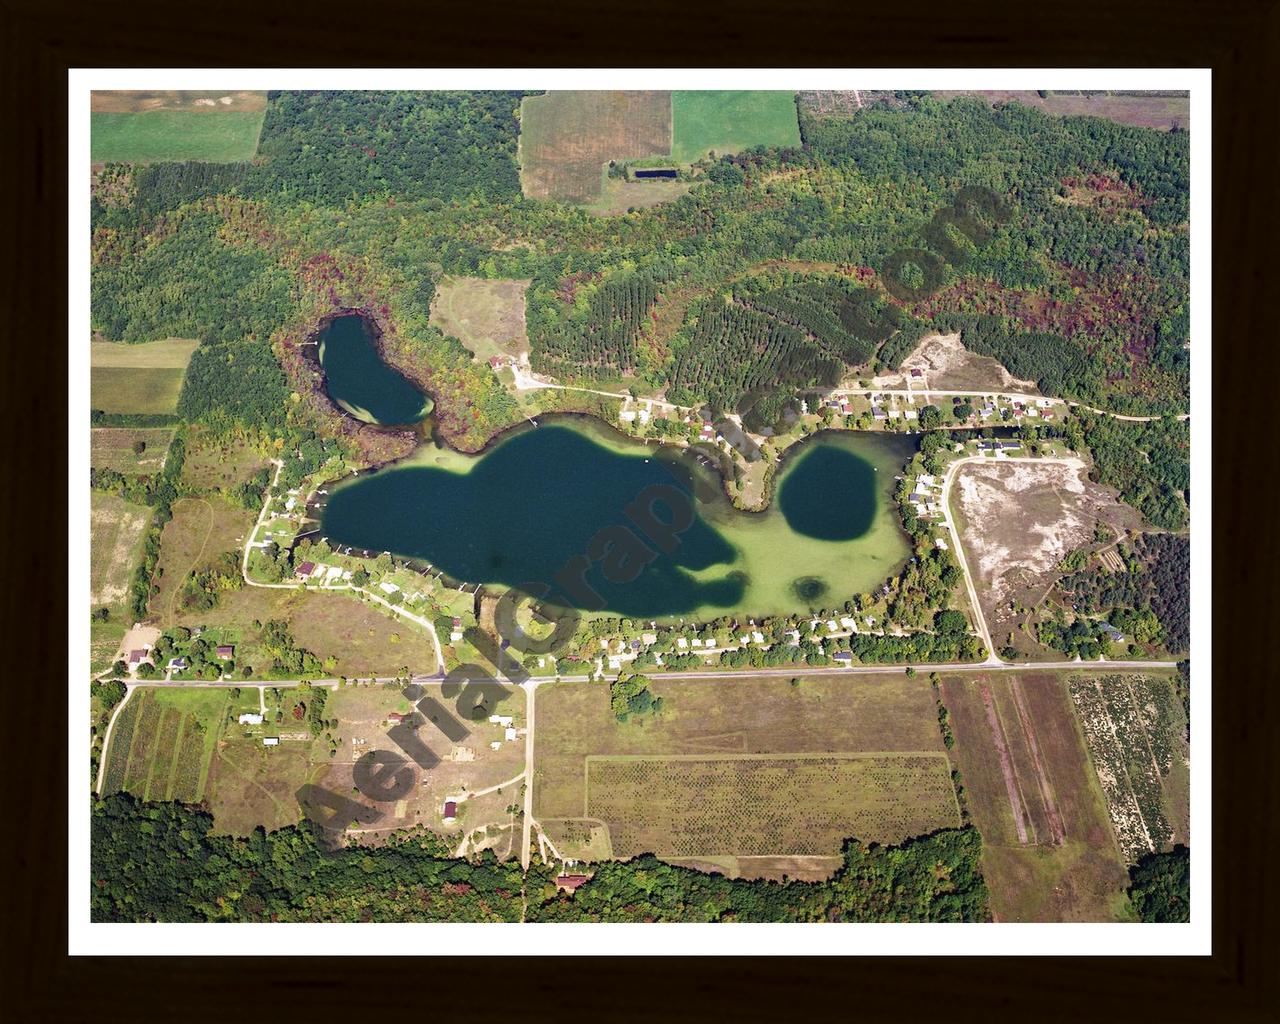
(566, 138)
(745, 773)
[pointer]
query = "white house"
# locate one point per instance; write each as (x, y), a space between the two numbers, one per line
(271, 741)
(387, 588)
(510, 733)
(249, 718)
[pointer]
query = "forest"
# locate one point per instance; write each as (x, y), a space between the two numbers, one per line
(335, 147)
(162, 862)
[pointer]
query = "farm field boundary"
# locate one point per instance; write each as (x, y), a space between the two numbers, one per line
(690, 805)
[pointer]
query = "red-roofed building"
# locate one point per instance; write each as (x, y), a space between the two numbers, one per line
(395, 717)
(450, 810)
(226, 652)
(306, 569)
(495, 361)
(567, 883)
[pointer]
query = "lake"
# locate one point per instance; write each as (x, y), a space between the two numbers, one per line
(359, 381)
(538, 498)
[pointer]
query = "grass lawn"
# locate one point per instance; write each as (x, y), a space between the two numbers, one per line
(138, 378)
(175, 135)
(729, 121)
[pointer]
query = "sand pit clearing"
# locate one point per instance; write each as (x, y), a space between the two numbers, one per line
(1022, 518)
(949, 366)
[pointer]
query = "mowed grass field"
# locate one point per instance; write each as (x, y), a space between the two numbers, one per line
(487, 316)
(112, 448)
(729, 121)
(144, 378)
(198, 133)
(1049, 853)
(567, 137)
(739, 772)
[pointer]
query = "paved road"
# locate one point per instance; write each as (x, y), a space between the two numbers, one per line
(1101, 665)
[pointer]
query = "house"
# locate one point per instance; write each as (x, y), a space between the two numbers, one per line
(502, 720)
(136, 658)
(509, 733)
(496, 745)
(627, 416)
(757, 636)
(271, 741)
(917, 373)
(250, 718)
(177, 664)
(844, 656)
(306, 569)
(643, 415)
(568, 883)
(226, 652)
(649, 638)
(911, 414)
(450, 811)
(939, 543)
(831, 626)
(681, 643)
(388, 588)
(395, 718)
(793, 635)
(707, 432)
(495, 362)
(877, 413)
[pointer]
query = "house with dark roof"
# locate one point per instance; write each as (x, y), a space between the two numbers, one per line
(568, 883)
(450, 810)
(306, 569)
(226, 652)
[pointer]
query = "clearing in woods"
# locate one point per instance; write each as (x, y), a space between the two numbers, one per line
(948, 366)
(487, 316)
(200, 531)
(1048, 852)
(744, 777)
(113, 448)
(143, 378)
(567, 137)
(729, 121)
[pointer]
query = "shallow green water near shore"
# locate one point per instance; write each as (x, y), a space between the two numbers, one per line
(359, 381)
(538, 500)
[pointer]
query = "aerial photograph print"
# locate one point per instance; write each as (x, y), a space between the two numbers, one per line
(591, 505)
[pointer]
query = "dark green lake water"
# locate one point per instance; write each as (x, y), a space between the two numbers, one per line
(359, 381)
(521, 512)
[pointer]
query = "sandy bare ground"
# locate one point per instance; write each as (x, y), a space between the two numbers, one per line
(948, 366)
(141, 101)
(138, 637)
(117, 531)
(1020, 519)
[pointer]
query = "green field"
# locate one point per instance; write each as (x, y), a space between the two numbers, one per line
(115, 548)
(729, 121)
(163, 135)
(138, 378)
